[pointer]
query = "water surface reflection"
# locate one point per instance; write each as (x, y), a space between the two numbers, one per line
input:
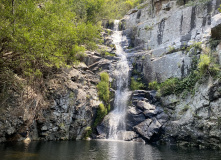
(101, 150)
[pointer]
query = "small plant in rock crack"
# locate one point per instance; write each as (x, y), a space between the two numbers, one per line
(206, 65)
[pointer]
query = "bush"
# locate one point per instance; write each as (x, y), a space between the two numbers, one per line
(196, 46)
(101, 113)
(103, 91)
(109, 54)
(104, 77)
(204, 63)
(103, 87)
(136, 85)
(169, 86)
(104, 95)
(175, 85)
(207, 65)
(41, 35)
(88, 132)
(153, 85)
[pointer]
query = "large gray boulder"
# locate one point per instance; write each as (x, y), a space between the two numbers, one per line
(216, 27)
(148, 129)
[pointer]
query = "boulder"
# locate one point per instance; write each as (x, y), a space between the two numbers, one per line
(129, 135)
(145, 105)
(148, 129)
(216, 27)
(134, 116)
(150, 113)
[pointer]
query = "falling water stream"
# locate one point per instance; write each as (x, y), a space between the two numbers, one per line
(117, 116)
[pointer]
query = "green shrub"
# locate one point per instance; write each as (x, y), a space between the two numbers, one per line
(103, 91)
(136, 85)
(175, 85)
(169, 86)
(104, 95)
(40, 35)
(103, 87)
(88, 132)
(204, 63)
(118, 8)
(108, 108)
(104, 77)
(195, 45)
(101, 113)
(153, 85)
(110, 54)
(171, 49)
(207, 65)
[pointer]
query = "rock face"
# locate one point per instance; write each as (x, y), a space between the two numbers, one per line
(163, 34)
(157, 27)
(73, 103)
(145, 117)
(164, 29)
(195, 120)
(71, 107)
(64, 110)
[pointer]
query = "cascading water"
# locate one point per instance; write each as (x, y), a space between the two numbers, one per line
(117, 116)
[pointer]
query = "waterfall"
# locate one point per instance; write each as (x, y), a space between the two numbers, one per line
(117, 116)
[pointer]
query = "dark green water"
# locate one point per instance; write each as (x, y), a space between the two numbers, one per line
(101, 150)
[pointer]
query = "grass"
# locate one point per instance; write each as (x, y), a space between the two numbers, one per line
(136, 84)
(175, 85)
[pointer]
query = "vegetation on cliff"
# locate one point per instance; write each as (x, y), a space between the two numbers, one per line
(203, 66)
(104, 95)
(37, 37)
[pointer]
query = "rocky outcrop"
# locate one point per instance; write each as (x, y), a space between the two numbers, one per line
(164, 35)
(165, 29)
(195, 120)
(66, 107)
(145, 116)
(74, 100)
(70, 106)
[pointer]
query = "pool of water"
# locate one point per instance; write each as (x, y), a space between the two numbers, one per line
(101, 150)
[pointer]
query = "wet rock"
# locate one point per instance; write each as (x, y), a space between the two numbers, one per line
(91, 58)
(150, 113)
(145, 105)
(148, 129)
(103, 64)
(134, 117)
(129, 136)
(162, 118)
